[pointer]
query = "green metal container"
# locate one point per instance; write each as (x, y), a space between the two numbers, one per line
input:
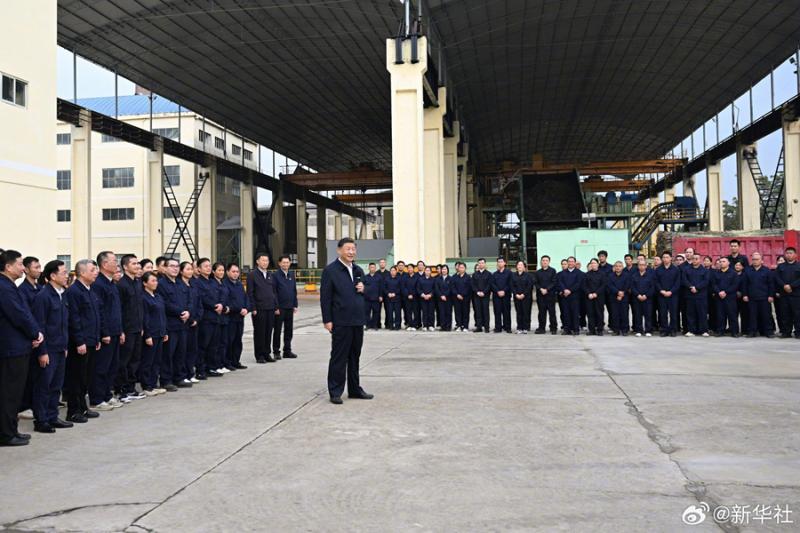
(583, 243)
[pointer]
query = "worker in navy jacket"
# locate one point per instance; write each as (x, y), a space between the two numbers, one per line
(411, 308)
(30, 288)
(522, 294)
(175, 294)
(546, 284)
(84, 340)
(697, 282)
(50, 310)
(569, 287)
(442, 291)
(373, 296)
(392, 299)
(427, 303)
(481, 290)
(341, 298)
(223, 320)
(643, 291)
(130, 352)
(618, 287)
(593, 290)
(725, 283)
(19, 335)
(461, 295)
(787, 279)
(186, 275)
(758, 288)
(668, 284)
(208, 338)
(111, 334)
(286, 287)
(384, 273)
(239, 307)
(501, 297)
(154, 333)
(263, 297)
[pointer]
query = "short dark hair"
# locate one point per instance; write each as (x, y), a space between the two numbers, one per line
(217, 265)
(102, 256)
(628, 255)
(547, 256)
(401, 261)
(147, 275)
(343, 241)
(602, 252)
(49, 269)
(28, 261)
(503, 259)
(259, 255)
(571, 257)
(145, 262)
(183, 266)
(8, 257)
(203, 260)
(282, 257)
(369, 265)
(734, 241)
(792, 248)
(666, 252)
(160, 260)
(481, 259)
(444, 266)
(127, 258)
(231, 265)
(169, 260)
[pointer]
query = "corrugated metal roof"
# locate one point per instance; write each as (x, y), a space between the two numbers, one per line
(134, 104)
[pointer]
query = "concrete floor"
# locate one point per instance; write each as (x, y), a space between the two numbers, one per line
(467, 432)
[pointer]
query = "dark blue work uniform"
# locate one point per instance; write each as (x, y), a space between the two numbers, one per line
(522, 291)
(594, 282)
(789, 274)
(223, 319)
(481, 282)
(618, 287)
(391, 286)
(154, 324)
(286, 288)
(84, 329)
(210, 328)
(501, 281)
(727, 282)
(758, 286)
(192, 327)
(29, 291)
(668, 280)
(107, 359)
(546, 279)
(425, 288)
(461, 285)
(697, 302)
(130, 354)
(643, 284)
(176, 301)
(570, 306)
(411, 310)
(237, 300)
(385, 275)
(50, 310)
(373, 292)
(343, 306)
(442, 291)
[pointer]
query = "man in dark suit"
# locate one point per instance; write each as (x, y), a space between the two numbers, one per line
(286, 288)
(263, 295)
(130, 353)
(342, 301)
(102, 375)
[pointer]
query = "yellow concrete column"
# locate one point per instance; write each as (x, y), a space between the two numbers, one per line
(362, 230)
(749, 201)
(154, 194)
(206, 216)
(351, 227)
(407, 149)
(81, 204)
(434, 210)
(302, 234)
(669, 194)
(276, 240)
(451, 192)
(322, 237)
(463, 223)
(791, 191)
(247, 237)
(714, 187)
(337, 226)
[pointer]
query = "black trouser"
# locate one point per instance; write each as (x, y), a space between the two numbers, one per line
(570, 310)
(582, 305)
(192, 352)
(13, 376)
(481, 312)
(654, 314)
(445, 314)
(790, 314)
(427, 308)
(372, 309)
(727, 314)
(346, 344)
(697, 314)
(523, 312)
(151, 360)
(760, 315)
(221, 355)
(47, 385)
(234, 352)
(642, 312)
(102, 376)
(683, 306)
(387, 321)
(461, 308)
(668, 314)
(393, 315)
(595, 314)
(170, 368)
(76, 381)
(285, 322)
(620, 318)
(130, 356)
(27, 397)
(263, 322)
(609, 309)
(207, 345)
(411, 313)
(502, 312)
(547, 306)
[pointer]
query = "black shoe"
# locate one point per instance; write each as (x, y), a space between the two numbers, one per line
(361, 395)
(276, 356)
(15, 441)
(201, 377)
(43, 428)
(600, 332)
(664, 334)
(624, 333)
(736, 335)
(786, 336)
(239, 366)
(476, 330)
(269, 359)
(336, 400)
(182, 385)
(498, 331)
(289, 355)
(25, 436)
(213, 374)
(77, 418)
(170, 388)
(673, 334)
(770, 335)
(231, 368)
(553, 332)
(539, 332)
(61, 424)
(751, 335)
(260, 360)
(91, 414)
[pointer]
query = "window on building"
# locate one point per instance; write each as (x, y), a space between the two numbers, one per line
(220, 184)
(168, 133)
(173, 172)
(236, 188)
(204, 136)
(66, 259)
(236, 149)
(109, 139)
(14, 91)
(64, 180)
(248, 155)
(63, 138)
(117, 178)
(219, 143)
(168, 213)
(220, 217)
(64, 215)
(118, 213)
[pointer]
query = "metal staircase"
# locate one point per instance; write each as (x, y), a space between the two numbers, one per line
(674, 212)
(182, 232)
(770, 192)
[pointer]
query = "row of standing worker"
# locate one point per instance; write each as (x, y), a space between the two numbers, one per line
(686, 294)
(128, 330)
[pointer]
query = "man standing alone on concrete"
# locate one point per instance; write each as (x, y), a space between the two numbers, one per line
(342, 301)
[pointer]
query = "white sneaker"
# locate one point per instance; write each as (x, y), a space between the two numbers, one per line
(113, 402)
(689, 334)
(223, 370)
(136, 396)
(648, 334)
(160, 391)
(105, 406)
(194, 380)
(638, 334)
(705, 334)
(409, 328)
(149, 393)
(27, 414)
(187, 381)
(431, 329)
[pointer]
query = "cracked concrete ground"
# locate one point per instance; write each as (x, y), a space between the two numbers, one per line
(467, 432)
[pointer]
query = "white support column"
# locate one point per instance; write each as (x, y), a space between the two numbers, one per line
(407, 148)
(791, 191)
(277, 243)
(362, 230)
(688, 186)
(463, 223)
(433, 193)
(302, 234)
(451, 192)
(322, 237)
(247, 237)
(351, 227)
(81, 199)
(206, 218)
(714, 187)
(337, 226)
(154, 193)
(749, 201)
